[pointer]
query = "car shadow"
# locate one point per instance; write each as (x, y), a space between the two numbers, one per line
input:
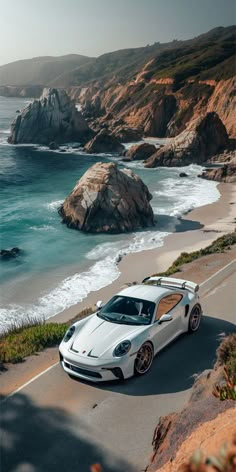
(35, 438)
(175, 367)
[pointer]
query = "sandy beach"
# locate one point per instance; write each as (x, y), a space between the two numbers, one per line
(209, 222)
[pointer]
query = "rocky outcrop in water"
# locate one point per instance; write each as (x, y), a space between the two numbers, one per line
(52, 118)
(140, 151)
(203, 137)
(6, 254)
(104, 142)
(107, 199)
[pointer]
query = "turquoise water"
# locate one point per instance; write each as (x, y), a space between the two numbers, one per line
(60, 266)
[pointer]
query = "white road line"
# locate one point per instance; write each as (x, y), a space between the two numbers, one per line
(30, 381)
(221, 274)
(222, 270)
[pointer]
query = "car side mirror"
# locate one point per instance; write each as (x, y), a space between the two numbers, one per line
(99, 304)
(165, 317)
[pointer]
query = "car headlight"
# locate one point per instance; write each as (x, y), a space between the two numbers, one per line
(69, 334)
(122, 349)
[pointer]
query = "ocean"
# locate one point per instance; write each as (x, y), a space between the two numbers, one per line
(58, 266)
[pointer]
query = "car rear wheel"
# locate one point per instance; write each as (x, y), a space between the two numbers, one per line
(195, 318)
(144, 359)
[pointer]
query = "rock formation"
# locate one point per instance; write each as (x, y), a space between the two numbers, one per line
(104, 142)
(52, 118)
(226, 173)
(203, 137)
(223, 102)
(6, 254)
(107, 199)
(140, 151)
(125, 134)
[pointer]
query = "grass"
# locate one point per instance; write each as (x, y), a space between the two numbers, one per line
(31, 336)
(17, 345)
(218, 246)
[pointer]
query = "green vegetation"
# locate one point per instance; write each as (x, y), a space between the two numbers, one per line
(14, 347)
(24, 339)
(219, 245)
(227, 391)
(226, 354)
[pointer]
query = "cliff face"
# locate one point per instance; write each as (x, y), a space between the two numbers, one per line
(156, 89)
(156, 107)
(223, 102)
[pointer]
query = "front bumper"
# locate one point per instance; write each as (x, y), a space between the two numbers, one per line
(96, 370)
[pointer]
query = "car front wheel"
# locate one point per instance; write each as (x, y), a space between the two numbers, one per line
(195, 318)
(144, 359)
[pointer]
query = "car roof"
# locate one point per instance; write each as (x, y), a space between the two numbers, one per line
(151, 293)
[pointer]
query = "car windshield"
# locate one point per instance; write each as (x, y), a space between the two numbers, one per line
(127, 310)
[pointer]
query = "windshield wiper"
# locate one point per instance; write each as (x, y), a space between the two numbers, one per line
(106, 318)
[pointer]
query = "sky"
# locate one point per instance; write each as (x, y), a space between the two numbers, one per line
(31, 28)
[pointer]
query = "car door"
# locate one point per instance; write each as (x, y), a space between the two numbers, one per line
(163, 333)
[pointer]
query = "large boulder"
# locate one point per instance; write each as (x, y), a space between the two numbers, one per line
(140, 151)
(104, 142)
(51, 118)
(203, 137)
(107, 199)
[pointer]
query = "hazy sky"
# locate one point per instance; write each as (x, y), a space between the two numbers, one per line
(30, 28)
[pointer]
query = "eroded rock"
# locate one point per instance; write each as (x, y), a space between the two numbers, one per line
(107, 199)
(140, 151)
(52, 118)
(226, 173)
(203, 137)
(104, 142)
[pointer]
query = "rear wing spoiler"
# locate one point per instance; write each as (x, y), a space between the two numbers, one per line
(171, 282)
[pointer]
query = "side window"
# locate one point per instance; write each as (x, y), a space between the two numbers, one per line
(167, 303)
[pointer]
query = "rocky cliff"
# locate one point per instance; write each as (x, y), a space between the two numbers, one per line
(53, 117)
(107, 199)
(203, 137)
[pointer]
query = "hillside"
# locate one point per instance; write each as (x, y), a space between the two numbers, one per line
(158, 89)
(208, 56)
(39, 70)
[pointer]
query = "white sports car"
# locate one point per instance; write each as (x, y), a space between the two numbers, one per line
(123, 336)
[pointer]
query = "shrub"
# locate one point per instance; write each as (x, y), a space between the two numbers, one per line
(227, 391)
(219, 245)
(226, 354)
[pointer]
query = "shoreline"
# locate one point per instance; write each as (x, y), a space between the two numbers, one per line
(212, 221)
(217, 219)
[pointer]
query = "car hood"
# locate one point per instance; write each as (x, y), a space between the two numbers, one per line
(98, 336)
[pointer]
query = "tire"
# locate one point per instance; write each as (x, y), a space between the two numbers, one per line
(195, 318)
(144, 359)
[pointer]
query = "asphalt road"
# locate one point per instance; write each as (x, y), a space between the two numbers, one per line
(59, 424)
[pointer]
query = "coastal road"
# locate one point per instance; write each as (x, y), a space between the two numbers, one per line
(57, 424)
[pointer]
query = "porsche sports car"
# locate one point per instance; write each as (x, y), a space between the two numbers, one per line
(123, 336)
